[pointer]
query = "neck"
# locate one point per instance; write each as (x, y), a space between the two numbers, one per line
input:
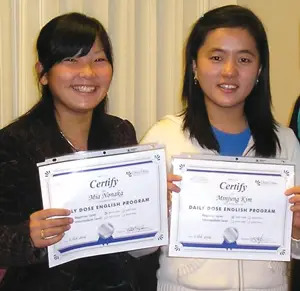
(230, 120)
(75, 129)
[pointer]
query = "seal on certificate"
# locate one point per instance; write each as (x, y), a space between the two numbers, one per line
(230, 235)
(105, 230)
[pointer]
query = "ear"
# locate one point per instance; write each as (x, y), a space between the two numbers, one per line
(39, 69)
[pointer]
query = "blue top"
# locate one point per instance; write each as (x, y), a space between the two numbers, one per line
(232, 144)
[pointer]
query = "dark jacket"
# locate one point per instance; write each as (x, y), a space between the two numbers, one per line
(23, 144)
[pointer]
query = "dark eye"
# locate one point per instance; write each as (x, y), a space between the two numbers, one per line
(100, 60)
(245, 60)
(216, 58)
(69, 60)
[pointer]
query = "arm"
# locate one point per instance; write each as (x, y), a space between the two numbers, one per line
(15, 244)
(21, 219)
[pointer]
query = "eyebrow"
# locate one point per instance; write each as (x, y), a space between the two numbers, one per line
(245, 51)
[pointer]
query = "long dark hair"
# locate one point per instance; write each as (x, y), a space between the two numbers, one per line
(257, 105)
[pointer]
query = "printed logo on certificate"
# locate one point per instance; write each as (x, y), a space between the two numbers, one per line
(117, 199)
(231, 208)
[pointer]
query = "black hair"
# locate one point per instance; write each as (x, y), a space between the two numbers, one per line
(258, 104)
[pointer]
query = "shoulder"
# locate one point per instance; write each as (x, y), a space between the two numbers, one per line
(22, 139)
(15, 132)
(166, 129)
(285, 135)
(290, 148)
(26, 125)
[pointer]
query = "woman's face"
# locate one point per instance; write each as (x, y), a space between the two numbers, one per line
(79, 84)
(227, 67)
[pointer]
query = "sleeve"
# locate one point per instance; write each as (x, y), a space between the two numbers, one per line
(18, 182)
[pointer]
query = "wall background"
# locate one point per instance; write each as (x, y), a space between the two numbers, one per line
(282, 22)
(147, 37)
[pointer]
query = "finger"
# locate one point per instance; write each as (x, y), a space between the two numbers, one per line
(47, 213)
(42, 243)
(55, 222)
(292, 190)
(295, 208)
(54, 231)
(295, 199)
(172, 177)
(173, 188)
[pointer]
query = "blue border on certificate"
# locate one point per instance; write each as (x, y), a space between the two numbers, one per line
(101, 168)
(107, 241)
(229, 246)
(232, 172)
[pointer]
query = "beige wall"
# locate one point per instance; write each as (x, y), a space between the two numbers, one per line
(282, 22)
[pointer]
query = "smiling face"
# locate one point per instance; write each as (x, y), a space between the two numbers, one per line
(227, 68)
(79, 84)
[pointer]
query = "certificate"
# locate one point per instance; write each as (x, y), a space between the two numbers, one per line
(231, 208)
(117, 200)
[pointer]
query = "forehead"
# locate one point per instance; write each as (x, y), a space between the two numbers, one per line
(97, 46)
(230, 39)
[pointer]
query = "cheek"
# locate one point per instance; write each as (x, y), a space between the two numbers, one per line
(249, 79)
(59, 80)
(105, 75)
(207, 77)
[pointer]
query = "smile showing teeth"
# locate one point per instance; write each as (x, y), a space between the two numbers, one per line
(228, 86)
(84, 89)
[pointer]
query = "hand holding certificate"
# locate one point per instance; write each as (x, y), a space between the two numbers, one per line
(231, 209)
(117, 200)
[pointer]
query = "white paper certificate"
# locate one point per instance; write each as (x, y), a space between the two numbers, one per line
(232, 209)
(117, 199)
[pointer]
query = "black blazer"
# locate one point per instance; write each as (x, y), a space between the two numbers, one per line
(23, 144)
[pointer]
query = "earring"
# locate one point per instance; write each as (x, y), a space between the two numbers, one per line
(195, 80)
(257, 81)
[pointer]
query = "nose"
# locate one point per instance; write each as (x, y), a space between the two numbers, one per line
(229, 69)
(86, 71)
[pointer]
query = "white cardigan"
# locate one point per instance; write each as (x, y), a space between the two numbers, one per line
(187, 274)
